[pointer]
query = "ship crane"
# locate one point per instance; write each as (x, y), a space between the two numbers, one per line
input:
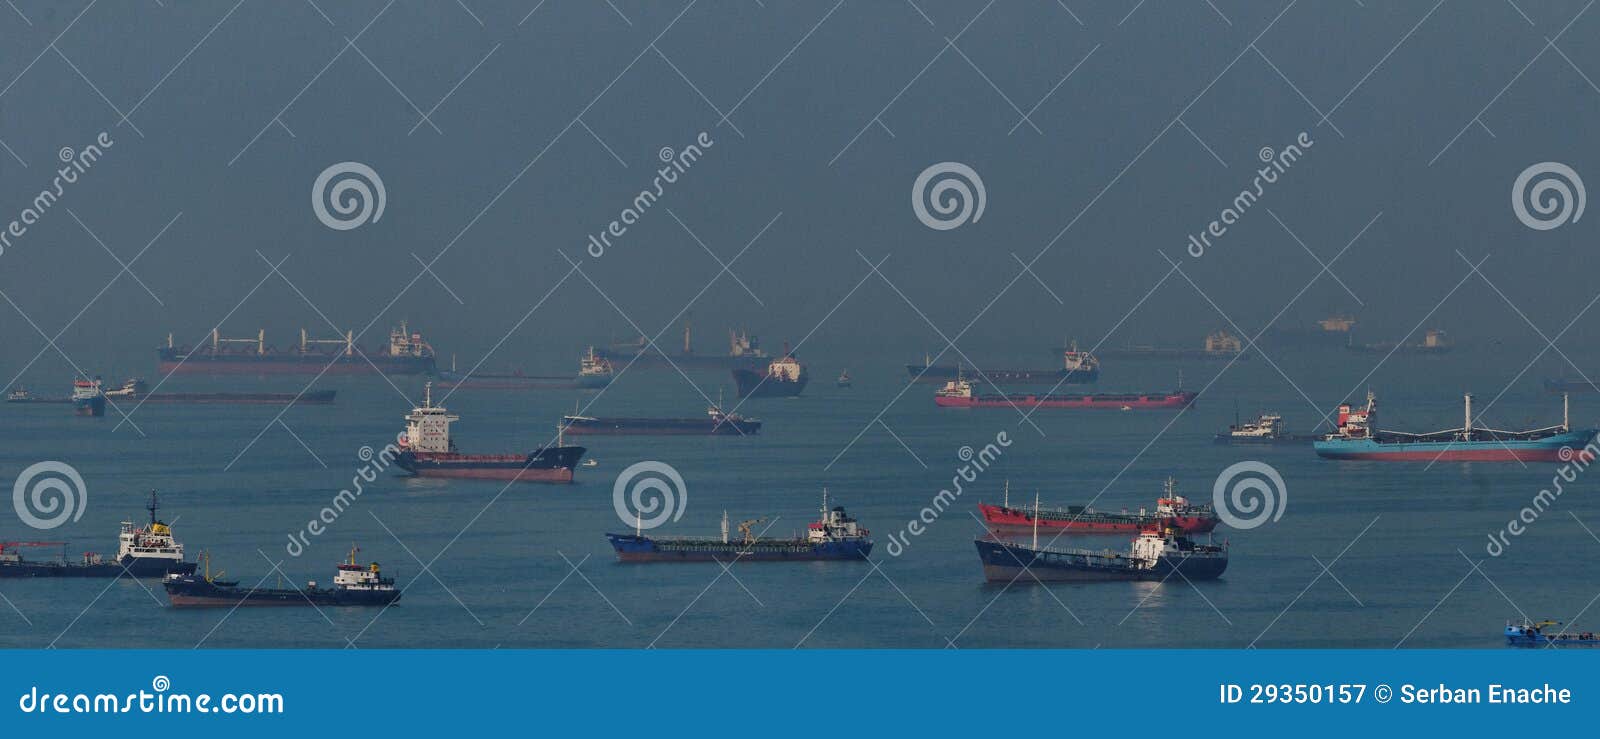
(745, 526)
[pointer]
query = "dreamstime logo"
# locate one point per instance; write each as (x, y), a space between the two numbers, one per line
(372, 463)
(1248, 494)
(955, 193)
(973, 463)
(1575, 461)
(46, 494)
(1553, 190)
(74, 163)
(647, 494)
(353, 190)
(1276, 164)
(674, 164)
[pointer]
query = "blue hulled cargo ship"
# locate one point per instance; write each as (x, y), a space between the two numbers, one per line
(835, 536)
(1358, 438)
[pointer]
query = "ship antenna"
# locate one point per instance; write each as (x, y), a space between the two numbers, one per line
(638, 525)
(1566, 402)
(151, 506)
(427, 389)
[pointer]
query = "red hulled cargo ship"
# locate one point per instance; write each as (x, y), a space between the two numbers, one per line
(406, 354)
(959, 394)
(1172, 511)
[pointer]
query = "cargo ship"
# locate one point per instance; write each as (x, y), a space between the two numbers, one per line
(1172, 511)
(1268, 428)
(959, 394)
(1564, 385)
(428, 451)
(835, 536)
(1433, 341)
(142, 551)
(24, 395)
(514, 380)
(406, 354)
(136, 390)
(594, 371)
(1358, 437)
(1077, 368)
(785, 377)
(744, 351)
(353, 585)
(1330, 332)
(1528, 633)
(1218, 345)
(88, 398)
(716, 423)
(1157, 553)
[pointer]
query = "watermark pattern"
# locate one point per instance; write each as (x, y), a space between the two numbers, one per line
(974, 462)
(677, 163)
(1277, 163)
(145, 701)
(372, 463)
(353, 191)
(1575, 462)
(1555, 193)
(48, 494)
(648, 494)
(1249, 494)
(953, 191)
(77, 163)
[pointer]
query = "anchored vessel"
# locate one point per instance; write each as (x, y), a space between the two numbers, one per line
(716, 423)
(428, 451)
(136, 389)
(88, 398)
(744, 350)
(834, 536)
(1172, 511)
(406, 354)
(143, 551)
(959, 394)
(1433, 342)
(844, 379)
(1358, 437)
(1267, 429)
(1077, 368)
(1218, 345)
(785, 378)
(24, 395)
(514, 380)
(353, 585)
(594, 371)
(1528, 633)
(1156, 554)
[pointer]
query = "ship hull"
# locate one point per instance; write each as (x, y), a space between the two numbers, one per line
(174, 361)
(661, 427)
(137, 567)
(941, 375)
(1112, 402)
(1561, 447)
(95, 406)
(758, 385)
(1230, 439)
(1014, 519)
(1003, 562)
(642, 549)
(202, 594)
(547, 465)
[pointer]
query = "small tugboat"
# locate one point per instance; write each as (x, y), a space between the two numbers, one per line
(1526, 633)
(716, 423)
(785, 378)
(1172, 511)
(1358, 438)
(428, 451)
(130, 388)
(844, 379)
(1157, 554)
(1266, 429)
(88, 399)
(594, 372)
(144, 551)
(959, 394)
(353, 585)
(834, 536)
(23, 395)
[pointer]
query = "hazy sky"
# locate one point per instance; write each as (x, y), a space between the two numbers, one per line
(550, 123)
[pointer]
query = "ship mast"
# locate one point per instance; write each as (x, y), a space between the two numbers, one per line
(1566, 402)
(151, 507)
(1466, 429)
(1036, 519)
(724, 527)
(1007, 502)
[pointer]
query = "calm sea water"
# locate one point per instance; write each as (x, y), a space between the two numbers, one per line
(500, 572)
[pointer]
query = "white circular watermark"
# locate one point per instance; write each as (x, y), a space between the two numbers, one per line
(1249, 494)
(47, 494)
(161, 684)
(953, 192)
(353, 191)
(1553, 191)
(648, 494)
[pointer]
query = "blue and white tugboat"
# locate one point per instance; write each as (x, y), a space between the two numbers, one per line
(1529, 633)
(1158, 553)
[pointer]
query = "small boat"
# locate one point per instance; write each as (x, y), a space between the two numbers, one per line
(1527, 633)
(23, 395)
(1266, 429)
(591, 462)
(844, 379)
